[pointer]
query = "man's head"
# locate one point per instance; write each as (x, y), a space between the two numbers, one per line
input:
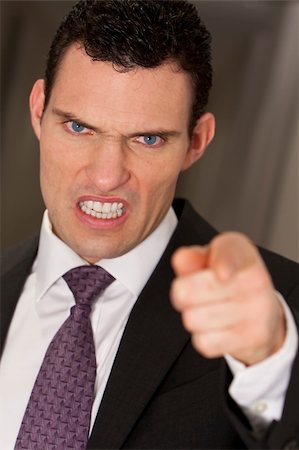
(138, 33)
(114, 140)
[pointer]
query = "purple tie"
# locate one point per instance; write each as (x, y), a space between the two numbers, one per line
(57, 416)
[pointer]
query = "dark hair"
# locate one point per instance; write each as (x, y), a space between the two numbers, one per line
(144, 33)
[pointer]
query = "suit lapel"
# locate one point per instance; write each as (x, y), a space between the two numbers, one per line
(153, 339)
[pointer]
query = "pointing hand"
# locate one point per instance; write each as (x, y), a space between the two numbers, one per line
(227, 300)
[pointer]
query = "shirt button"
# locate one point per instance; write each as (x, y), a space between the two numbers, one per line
(259, 407)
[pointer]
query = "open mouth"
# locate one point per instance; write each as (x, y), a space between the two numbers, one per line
(101, 210)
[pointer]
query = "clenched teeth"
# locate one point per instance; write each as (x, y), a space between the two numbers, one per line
(102, 210)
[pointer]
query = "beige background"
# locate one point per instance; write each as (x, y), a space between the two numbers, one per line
(248, 180)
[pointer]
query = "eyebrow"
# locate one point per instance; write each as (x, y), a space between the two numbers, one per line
(70, 116)
(164, 133)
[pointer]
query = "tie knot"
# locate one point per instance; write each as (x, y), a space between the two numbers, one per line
(87, 282)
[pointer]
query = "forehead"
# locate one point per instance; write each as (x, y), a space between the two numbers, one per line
(95, 86)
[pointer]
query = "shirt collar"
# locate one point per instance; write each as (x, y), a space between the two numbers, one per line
(133, 269)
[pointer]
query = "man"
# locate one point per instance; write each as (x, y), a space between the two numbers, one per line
(120, 114)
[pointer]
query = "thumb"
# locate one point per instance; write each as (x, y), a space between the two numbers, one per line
(186, 260)
(229, 253)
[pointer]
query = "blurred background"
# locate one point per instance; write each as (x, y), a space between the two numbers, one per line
(248, 179)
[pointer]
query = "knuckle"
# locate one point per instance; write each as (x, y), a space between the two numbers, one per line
(178, 293)
(186, 321)
(190, 321)
(203, 344)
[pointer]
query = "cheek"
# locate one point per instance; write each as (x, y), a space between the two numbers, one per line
(56, 161)
(51, 170)
(157, 184)
(165, 173)
(54, 173)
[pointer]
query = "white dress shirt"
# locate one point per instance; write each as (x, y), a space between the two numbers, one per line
(45, 304)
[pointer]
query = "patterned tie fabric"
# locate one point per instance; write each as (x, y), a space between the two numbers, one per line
(58, 412)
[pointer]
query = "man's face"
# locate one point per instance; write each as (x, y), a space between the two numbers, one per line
(111, 148)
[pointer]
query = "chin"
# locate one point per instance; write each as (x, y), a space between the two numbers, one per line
(92, 256)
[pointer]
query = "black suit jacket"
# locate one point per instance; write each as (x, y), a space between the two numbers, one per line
(161, 394)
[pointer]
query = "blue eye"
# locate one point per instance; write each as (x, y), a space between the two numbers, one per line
(150, 140)
(77, 127)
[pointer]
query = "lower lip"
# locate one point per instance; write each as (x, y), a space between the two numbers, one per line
(100, 224)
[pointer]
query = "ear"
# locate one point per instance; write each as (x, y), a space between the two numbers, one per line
(202, 135)
(36, 104)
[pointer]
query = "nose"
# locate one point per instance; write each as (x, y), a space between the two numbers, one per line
(107, 168)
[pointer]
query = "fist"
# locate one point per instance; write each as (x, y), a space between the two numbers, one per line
(227, 300)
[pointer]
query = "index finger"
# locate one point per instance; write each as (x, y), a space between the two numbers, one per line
(186, 260)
